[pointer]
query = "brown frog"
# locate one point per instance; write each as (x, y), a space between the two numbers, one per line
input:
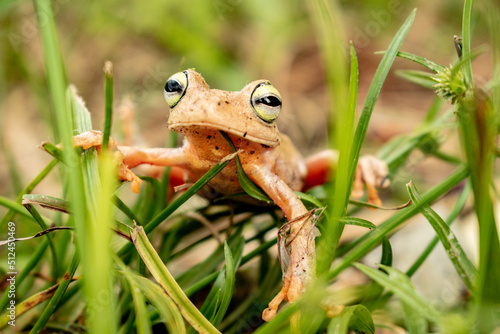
(268, 157)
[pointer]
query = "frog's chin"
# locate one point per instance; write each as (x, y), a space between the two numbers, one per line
(182, 127)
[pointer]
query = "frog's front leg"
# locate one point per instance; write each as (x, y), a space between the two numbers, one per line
(130, 157)
(302, 264)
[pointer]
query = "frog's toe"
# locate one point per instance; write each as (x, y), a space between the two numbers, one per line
(358, 185)
(125, 174)
(270, 312)
(373, 173)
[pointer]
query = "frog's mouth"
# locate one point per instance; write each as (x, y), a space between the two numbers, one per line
(178, 127)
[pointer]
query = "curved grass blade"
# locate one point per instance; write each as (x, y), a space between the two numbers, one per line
(125, 209)
(386, 244)
(165, 306)
(453, 249)
(248, 185)
(422, 61)
(230, 277)
(401, 286)
(421, 78)
(47, 202)
(217, 301)
(168, 283)
(309, 201)
(356, 318)
(142, 320)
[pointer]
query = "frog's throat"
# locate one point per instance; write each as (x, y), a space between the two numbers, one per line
(225, 128)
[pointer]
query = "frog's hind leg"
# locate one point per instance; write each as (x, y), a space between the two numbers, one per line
(270, 312)
(370, 172)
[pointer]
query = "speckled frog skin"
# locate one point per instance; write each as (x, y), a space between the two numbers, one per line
(268, 158)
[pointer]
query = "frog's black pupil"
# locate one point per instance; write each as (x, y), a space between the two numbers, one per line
(173, 86)
(270, 100)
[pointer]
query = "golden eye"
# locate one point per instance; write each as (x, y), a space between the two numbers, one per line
(175, 88)
(266, 101)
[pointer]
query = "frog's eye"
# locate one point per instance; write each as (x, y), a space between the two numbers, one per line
(266, 101)
(175, 88)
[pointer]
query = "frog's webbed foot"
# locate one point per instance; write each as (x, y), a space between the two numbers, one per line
(93, 138)
(371, 172)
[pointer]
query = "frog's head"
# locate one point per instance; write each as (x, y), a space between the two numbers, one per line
(250, 113)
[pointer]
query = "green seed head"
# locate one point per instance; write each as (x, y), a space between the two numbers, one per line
(448, 87)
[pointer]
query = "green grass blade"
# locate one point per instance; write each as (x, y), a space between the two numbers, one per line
(98, 184)
(125, 209)
(358, 222)
(108, 108)
(25, 271)
(165, 306)
(43, 226)
(478, 133)
(99, 256)
(166, 280)
(142, 321)
(56, 78)
(374, 237)
(340, 198)
(356, 318)
(230, 277)
(401, 286)
(466, 40)
(349, 161)
(54, 301)
(421, 61)
(420, 78)
(217, 301)
(248, 185)
(15, 207)
(62, 104)
(453, 249)
(48, 202)
(374, 91)
(386, 244)
(414, 323)
(459, 205)
(208, 266)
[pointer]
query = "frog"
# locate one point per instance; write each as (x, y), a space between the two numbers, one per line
(269, 159)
